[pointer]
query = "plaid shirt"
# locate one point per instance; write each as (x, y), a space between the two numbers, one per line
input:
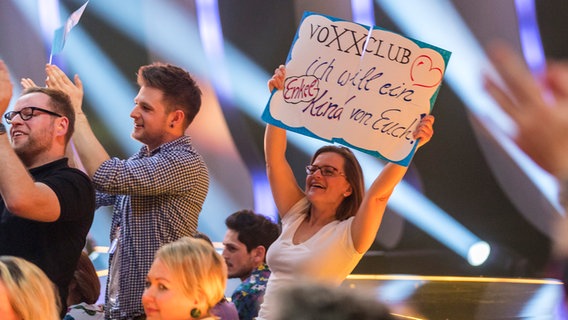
(247, 297)
(157, 196)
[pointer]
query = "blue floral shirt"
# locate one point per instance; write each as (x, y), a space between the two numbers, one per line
(84, 311)
(248, 295)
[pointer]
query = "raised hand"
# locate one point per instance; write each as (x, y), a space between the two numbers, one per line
(539, 108)
(27, 83)
(5, 87)
(58, 80)
(425, 130)
(277, 80)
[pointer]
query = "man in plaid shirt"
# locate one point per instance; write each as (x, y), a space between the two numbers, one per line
(157, 193)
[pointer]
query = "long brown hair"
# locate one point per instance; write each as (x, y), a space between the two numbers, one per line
(353, 174)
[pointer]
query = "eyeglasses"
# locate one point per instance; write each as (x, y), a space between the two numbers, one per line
(326, 171)
(27, 113)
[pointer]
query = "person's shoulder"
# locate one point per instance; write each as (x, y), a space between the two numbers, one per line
(75, 171)
(299, 209)
(76, 175)
(59, 171)
(180, 148)
(225, 310)
(181, 143)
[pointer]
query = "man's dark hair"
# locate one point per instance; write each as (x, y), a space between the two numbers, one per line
(254, 229)
(179, 88)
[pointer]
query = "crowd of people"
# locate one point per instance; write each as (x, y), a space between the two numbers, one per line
(160, 266)
(157, 195)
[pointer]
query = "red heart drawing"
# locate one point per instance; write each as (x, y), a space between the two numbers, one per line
(424, 74)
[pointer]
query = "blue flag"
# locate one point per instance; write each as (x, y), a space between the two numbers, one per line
(60, 35)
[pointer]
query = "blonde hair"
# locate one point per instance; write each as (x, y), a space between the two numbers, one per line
(200, 270)
(31, 294)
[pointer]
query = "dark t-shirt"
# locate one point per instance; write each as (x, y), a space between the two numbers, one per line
(53, 246)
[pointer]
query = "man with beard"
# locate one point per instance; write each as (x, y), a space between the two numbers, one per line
(246, 241)
(47, 207)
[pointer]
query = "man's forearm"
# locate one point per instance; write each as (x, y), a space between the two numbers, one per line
(90, 150)
(21, 194)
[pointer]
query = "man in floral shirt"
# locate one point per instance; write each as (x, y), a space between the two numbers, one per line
(248, 237)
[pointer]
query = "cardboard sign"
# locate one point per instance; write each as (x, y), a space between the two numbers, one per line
(364, 87)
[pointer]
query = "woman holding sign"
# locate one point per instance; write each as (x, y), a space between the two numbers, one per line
(327, 227)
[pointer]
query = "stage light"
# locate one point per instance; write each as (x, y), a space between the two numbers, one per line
(530, 36)
(175, 39)
(423, 213)
(478, 253)
(48, 17)
(363, 11)
(211, 33)
(465, 75)
(545, 298)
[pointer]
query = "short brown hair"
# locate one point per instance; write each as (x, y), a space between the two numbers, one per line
(178, 87)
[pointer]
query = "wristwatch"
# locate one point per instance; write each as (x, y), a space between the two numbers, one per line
(2, 129)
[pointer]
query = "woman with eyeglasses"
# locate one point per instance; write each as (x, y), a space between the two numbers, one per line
(327, 227)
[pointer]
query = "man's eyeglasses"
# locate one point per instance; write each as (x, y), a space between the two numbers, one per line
(326, 171)
(27, 113)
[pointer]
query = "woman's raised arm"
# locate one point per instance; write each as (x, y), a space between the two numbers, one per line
(283, 184)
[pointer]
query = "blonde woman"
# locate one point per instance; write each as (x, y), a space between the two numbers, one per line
(187, 278)
(25, 291)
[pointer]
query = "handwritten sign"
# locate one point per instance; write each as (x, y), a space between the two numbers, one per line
(364, 87)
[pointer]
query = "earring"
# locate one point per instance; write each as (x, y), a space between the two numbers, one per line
(195, 313)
